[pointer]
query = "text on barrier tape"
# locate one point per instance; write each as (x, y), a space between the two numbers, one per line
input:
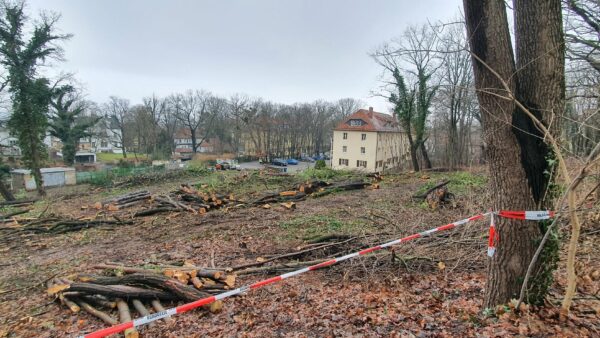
(527, 215)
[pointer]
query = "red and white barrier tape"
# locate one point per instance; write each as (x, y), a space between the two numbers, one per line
(493, 238)
(189, 306)
(524, 215)
(527, 215)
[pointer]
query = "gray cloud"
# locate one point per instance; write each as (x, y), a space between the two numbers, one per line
(281, 50)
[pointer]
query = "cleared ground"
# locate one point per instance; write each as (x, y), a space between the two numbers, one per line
(429, 287)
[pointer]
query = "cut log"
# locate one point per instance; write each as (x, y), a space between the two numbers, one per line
(121, 291)
(288, 193)
(97, 313)
(126, 197)
(159, 308)
(288, 205)
(141, 309)
(173, 286)
(69, 303)
(154, 211)
(124, 317)
(196, 282)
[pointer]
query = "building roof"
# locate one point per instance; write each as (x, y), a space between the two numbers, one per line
(43, 170)
(369, 120)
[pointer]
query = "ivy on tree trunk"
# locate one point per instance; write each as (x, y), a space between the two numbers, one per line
(30, 93)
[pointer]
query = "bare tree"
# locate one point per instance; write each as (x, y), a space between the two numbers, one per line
(346, 106)
(155, 108)
(413, 57)
(193, 110)
(238, 105)
(455, 98)
(583, 31)
(117, 113)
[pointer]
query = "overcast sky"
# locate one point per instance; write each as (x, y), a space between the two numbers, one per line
(282, 50)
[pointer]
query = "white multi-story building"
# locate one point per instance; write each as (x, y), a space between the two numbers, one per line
(369, 141)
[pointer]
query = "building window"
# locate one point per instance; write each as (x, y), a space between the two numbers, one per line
(363, 137)
(344, 149)
(356, 122)
(345, 136)
(360, 163)
(103, 144)
(343, 162)
(363, 150)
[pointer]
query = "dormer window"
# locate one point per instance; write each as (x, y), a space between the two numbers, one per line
(356, 122)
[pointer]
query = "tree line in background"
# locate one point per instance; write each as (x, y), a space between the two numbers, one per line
(260, 128)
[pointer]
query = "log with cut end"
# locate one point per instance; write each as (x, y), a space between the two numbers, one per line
(124, 317)
(97, 313)
(196, 282)
(158, 307)
(141, 309)
(69, 303)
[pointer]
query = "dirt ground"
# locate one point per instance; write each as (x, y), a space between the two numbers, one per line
(431, 287)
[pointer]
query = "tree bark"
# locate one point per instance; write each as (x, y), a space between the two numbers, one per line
(487, 27)
(517, 180)
(426, 160)
(6, 193)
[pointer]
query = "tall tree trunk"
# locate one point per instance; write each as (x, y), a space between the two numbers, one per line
(426, 161)
(194, 145)
(489, 38)
(540, 56)
(5, 191)
(413, 152)
(515, 185)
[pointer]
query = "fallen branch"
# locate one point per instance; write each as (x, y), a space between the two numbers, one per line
(437, 186)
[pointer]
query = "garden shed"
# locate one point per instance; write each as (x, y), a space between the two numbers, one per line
(53, 177)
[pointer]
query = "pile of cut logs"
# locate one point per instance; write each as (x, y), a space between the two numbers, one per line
(144, 289)
(124, 201)
(186, 198)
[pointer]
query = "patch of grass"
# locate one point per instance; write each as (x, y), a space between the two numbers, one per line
(108, 157)
(460, 181)
(323, 174)
(312, 226)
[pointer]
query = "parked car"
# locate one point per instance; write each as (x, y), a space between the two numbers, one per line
(279, 162)
(307, 159)
(292, 161)
(319, 157)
